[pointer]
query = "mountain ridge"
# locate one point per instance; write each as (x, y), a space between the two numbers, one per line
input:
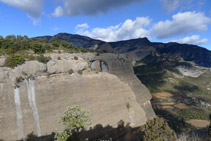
(137, 49)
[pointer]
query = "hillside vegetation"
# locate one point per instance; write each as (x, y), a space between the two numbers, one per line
(19, 44)
(178, 94)
(18, 49)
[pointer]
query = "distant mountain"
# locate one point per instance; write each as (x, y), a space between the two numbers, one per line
(137, 49)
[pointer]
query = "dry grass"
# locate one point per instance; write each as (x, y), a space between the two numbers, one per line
(198, 123)
(167, 107)
(181, 106)
(165, 103)
(161, 95)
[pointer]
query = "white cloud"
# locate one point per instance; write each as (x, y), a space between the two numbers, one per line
(35, 21)
(194, 39)
(170, 5)
(181, 24)
(83, 26)
(92, 7)
(58, 12)
(31, 7)
(127, 30)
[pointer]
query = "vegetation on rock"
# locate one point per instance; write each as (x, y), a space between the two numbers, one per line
(21, 48)
(70, 71)
(80, 72)
(75, 58)
(14, 60)
(75, 119)
(41, 58)
(157, 130)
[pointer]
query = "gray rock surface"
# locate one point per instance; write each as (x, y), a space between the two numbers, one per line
(187, 71)
(34, 68)
(2, 61)
(61, 66)
(105, 94)
(4, 74)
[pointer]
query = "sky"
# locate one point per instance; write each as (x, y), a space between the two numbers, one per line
(183, 21)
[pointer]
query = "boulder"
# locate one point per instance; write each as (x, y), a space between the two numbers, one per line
(62, 66)
(34, 68)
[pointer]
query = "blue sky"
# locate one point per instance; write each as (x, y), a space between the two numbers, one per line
(184, 21)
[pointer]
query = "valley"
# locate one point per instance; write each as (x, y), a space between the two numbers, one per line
(178, 93)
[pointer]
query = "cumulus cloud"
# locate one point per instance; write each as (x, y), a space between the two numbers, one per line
(181, 24)
(58, 12)
(92, 7)
(194, 39)
(127, 30)
(32, 7)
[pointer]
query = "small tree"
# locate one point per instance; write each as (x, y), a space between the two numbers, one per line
(75, 119)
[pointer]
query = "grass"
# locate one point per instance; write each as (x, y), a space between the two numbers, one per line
(193, 113)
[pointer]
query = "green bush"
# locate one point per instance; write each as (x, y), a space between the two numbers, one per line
(83, 50)
(74, 119)
(157, 130)
(80, 72)
(19, 79)
(128, 106)
(75, 58)
(70, 71)
(14, 60)
(41, 58)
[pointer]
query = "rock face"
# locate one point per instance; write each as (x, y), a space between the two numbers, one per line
(192, 72)
(61, 66)
(37, 105)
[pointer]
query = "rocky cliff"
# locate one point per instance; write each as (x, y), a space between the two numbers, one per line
(33, 96)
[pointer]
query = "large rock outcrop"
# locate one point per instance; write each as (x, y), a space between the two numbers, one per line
(37, 104)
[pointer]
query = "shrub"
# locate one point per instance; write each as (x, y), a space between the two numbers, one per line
(19, 79)
(59, 58)
(128, 106)
(70, 71)
(75, 58)
(30, 77)
(75, 119)
(31, 57)
(80, 72)
(41, 58)
(14, 60)
(157, 130)
(83, 50)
